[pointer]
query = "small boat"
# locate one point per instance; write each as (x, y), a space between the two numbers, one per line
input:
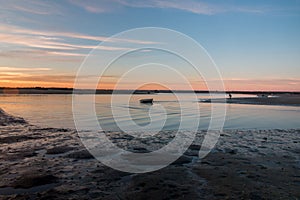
(262, 95)
(146, 101)
(206, 100)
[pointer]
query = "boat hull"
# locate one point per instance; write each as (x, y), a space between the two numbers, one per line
(146, 101)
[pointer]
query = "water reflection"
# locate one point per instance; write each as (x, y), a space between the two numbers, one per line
(56, 111)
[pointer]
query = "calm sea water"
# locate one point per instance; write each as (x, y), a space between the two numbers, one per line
(56, 111)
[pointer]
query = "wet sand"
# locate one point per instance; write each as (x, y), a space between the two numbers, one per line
(281, 100)
(51, 163)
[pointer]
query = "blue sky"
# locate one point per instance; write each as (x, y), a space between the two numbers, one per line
(255, 43)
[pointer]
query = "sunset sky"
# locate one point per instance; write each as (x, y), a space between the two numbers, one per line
(255, 44)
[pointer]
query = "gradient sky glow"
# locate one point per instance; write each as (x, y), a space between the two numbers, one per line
(255, 43)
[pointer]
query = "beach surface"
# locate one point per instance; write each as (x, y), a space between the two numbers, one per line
(51, 163)
(280, 100)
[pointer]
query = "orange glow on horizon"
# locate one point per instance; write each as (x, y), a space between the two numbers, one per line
(229, 85)
(32, 84)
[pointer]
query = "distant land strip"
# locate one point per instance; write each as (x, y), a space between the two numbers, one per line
(42, 90)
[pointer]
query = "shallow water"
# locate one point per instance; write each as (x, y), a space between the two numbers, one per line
(56, 111)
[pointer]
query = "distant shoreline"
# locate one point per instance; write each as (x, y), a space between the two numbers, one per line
(39, 90)
(276, 101)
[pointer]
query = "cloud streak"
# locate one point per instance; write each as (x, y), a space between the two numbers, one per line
(95, 6)
(27, 79)
(187, 5)
(203, 7)
(51, 35)
(276, 84)
(31, 6)
(192, 6)
(17, 77)
(50, 43)
(23, 69)
(31, 44)
(42, 55)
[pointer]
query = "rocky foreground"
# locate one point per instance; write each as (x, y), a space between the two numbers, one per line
(50, 163)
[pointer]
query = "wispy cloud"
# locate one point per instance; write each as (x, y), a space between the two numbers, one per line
(31, 6)
(23, 69)
(285, 84)
(56, 40)
(95, 6)
(15, 78)
(57, 53)
(30, 80)
(198, 7)
(18, 42)
(9, 74)
(187, 5)
(31, 41)
(52, 35)
(258, 84)
(203, 7)
(46, 55)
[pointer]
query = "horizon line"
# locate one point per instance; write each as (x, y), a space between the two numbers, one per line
(152, 90)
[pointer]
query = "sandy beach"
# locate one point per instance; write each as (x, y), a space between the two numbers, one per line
(51, 163)
(280, 100)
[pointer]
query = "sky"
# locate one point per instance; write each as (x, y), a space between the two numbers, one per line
(255, 44)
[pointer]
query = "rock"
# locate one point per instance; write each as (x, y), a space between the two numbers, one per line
(28, 154)
(14, 139)
(231, 151)
(6, 119)
(263, 167)
(191, 153)
(33, 179)
(255, 196)
(83, 154)
(59, 150)
(254, 150)
(183, 160)
(205, 162)
(195, 147)
(140, 150)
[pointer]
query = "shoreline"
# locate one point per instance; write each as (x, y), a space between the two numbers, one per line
(274, 101)
(41, 90)
(42, 163)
